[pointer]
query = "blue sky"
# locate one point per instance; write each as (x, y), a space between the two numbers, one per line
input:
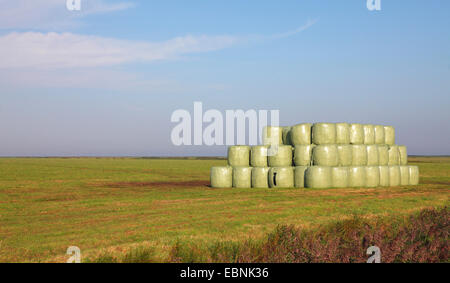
(105, 80)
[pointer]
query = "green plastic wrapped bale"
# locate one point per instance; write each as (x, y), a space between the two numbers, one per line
(342, 133)
(339, 177)
(282, 158)
(356, 134)
(318, 177)
(372, 176)
(302, 155)
(324, 133)
(221, 177)
(359, 155)
(379, 134)
(325, 155)
(281, 177)
(357, 176)
(372, 155)
(384, 176)
(287, 135)
(258, 156)
(413, 175)
(260, 177)
(394, 176)
(242, 177)
(383, 155)
(404, 175)
(394, 158)
(299, 176)
(389, 135)
(301, 134)
(272, 135)
(239, 155)
(344, 154)
(369, 134)
(403, 155)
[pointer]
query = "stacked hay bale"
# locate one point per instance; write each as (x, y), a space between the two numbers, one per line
(321, 155)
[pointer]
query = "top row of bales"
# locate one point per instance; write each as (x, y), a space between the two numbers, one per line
(329, 133)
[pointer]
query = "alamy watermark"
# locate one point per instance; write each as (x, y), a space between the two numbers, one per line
(73, 5)
(75, 254)
(373, 5)
(375, 254)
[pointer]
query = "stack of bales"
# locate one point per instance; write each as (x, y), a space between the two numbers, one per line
(321, 155)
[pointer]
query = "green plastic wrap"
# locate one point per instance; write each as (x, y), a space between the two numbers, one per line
(282, 158)
(342, 133)
(344, 154)
(394, 176)
(404, 175)
(325, 155)
(403, 155)
(379, 134)
(272, 135)
(287, 135)
(324, 133)
(239, 155)
(369, 134)
(359, 155)
(339, 177)
(221, 177)
(413, 175)
(356, 134)
(372, 155)
(389, 135)
(302, 155)
(299, 176)
(384, 176)
(258, 156)
(383, 155)
(242, 177)
(260, 177)
(301, 134)
(394, 158)
(372, 176)
(281, 177)
(357, 176)
(318, 177)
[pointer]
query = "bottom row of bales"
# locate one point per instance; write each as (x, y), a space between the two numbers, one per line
(314, 176)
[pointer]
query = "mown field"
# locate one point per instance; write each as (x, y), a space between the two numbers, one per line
(113, 205)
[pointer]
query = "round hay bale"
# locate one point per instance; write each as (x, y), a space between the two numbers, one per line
(413, 175)
(301, 134)
(372, 155)
(404, 175)
(242, 177)
(344, 154)
(287, 135)
(394, 158)
(318, 177)
(324, 133)
(272, 135)
(383, 155)
(403, 155)
(356, 134)
(384, 176)
(372, 176)
(339, 177)
(239, 155)
(379, 134)
(389, 135)
(260, 177)
(357, 177)
(282, 158)
(325, 155)
(221, 177)
(359, 155)
(369, 134)
(281, 177)
(394, 176)
(302, 155)
(258, 156)
(299, 176)
(342, 133)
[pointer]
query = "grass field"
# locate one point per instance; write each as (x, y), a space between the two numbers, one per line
(117, 204)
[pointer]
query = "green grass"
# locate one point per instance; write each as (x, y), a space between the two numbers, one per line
(122, 205)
